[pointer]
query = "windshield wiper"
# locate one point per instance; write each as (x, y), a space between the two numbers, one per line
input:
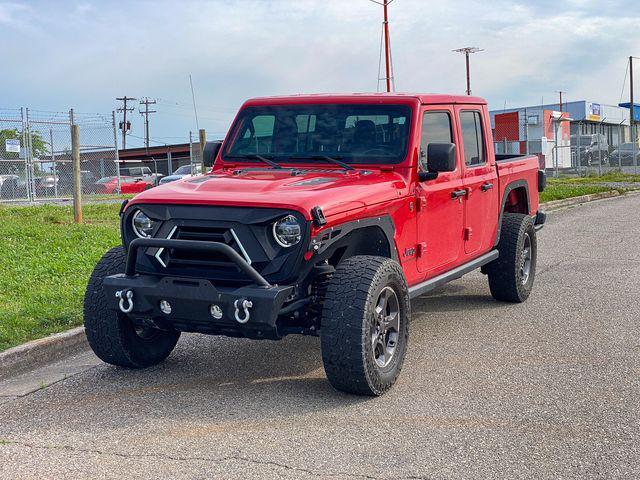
(255, 156)
(346, 166)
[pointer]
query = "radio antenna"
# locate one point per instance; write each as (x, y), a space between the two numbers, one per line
(193, 97)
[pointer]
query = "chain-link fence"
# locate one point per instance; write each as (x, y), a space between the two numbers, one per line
(36, 157)
(35, 153)
(564, 146)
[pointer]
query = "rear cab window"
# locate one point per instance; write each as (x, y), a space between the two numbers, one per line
(473, 138)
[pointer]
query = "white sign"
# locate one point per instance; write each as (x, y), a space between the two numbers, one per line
(12, 145)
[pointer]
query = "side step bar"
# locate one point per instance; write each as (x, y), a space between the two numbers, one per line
(426, 286)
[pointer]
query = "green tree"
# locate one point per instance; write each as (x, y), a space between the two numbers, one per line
(40, 148)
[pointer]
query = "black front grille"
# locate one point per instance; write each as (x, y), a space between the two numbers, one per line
(185, 259)
(253, 227)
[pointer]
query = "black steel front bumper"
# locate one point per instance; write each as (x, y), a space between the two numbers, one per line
(195, 304)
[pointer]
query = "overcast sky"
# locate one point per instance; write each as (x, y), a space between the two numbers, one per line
(63, 54)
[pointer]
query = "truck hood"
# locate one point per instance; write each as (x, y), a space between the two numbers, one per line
(335, 191)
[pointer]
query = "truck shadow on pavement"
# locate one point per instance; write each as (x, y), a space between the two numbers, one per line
(235, 383)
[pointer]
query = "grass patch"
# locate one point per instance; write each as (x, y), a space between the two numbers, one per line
(45, 263)
(609, 177)
(559, 191)
(46, 259)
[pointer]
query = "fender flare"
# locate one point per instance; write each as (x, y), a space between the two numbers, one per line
(511, 186)
(326, 241)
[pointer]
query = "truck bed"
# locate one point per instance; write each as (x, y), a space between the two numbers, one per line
(519, 171)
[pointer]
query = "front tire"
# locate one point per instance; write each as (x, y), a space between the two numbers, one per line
(511, 276)
(364, 328)
(112, 335)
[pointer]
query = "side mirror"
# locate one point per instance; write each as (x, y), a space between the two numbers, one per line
(210, 153)
(441, 157)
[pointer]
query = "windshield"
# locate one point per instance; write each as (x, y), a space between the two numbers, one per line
(351, 133)
(106, 179)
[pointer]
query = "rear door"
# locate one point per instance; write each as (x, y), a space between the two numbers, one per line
(479, 179)
(440, 216)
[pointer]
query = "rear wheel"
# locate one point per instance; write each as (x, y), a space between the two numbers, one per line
(365, 325)
(511, 276)
(112, 335)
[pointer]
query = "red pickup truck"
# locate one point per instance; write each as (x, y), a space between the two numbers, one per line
(322, 215)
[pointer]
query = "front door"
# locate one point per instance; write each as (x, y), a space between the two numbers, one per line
(480, 181)
(440, 216)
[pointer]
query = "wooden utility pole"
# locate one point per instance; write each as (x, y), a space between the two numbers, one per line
(124, 126)
(146, 102)
(203, 140)
(77, 183)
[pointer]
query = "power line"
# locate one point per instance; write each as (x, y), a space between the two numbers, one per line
(124, 125)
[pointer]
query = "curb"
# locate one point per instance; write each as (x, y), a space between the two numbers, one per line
(568, 202)
(42, 351)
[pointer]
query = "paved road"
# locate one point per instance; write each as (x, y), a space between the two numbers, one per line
(548, 389)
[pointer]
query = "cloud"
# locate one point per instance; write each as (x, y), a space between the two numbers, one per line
(84, 54)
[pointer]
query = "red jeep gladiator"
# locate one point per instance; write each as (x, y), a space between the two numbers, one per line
(322, 215)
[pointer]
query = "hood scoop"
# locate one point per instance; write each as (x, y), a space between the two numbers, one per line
(311, 182)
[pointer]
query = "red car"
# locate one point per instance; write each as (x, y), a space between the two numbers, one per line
(323, 215)
(127, 185)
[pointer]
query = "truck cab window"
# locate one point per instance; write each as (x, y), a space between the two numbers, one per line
(436, 128)
(352, 133)
(472, 138)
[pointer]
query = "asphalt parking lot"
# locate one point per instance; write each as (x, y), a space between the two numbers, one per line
(546, 389)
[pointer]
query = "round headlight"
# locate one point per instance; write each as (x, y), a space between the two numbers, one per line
(142, 225)
(287, 231)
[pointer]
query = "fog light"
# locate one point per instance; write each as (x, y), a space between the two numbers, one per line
(165, 307)
(216, 312)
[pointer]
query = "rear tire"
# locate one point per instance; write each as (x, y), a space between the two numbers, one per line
(365, 325)
(112, 335)
(511, 276)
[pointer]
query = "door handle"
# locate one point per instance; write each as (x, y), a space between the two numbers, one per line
(458, 193)
(486, 186)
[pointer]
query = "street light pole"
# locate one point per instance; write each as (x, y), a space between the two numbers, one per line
(632, 119)
(467, 51)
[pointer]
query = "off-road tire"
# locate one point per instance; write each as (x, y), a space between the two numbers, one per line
(112, 336)
(348, 319)
(505, 275)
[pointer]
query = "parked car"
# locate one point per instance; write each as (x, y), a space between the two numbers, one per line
(592, 149)
(46, 185)
(143, 173)
(182, 172)
(323, 215)
(62, 184)
(127, 185)
(623, 155)
(12, 186)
